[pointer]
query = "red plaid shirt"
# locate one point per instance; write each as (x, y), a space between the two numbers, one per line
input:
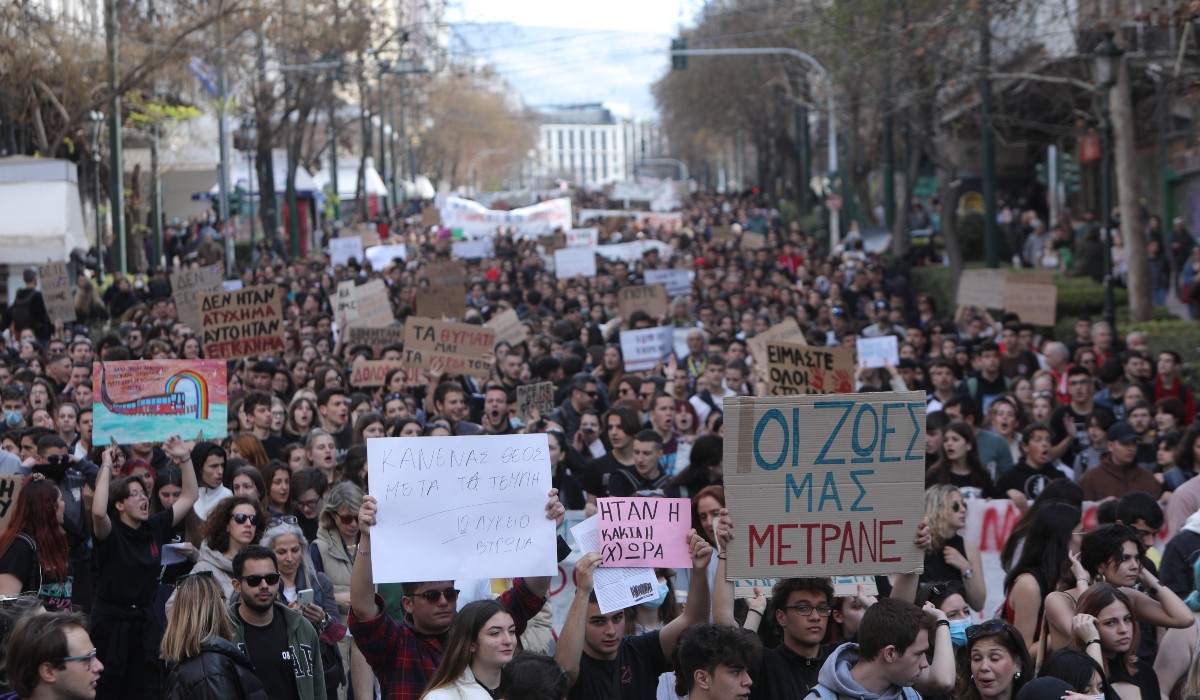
(403, 659)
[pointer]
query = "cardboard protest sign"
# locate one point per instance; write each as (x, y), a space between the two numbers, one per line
(1033, 297)
(375, 338)
(574, 262)
(242, 323)
(10, 489)
(651, 298)
(149, 400)
(825, 485)
(345, 304)
(645, 532)
(676, 282)
(57, 292)
(187, 286)
(721, 234)
(446, 274)
(804, 369)
(878, 352)
(787, 330)
(753, 241)
(553, 241)
(370, 373)
(435, 302)
(457, 347)
(982, 288)
(430, 217)
(342, 250)
(583, 238)
(373, 305)
(461, 507)
(538, 396)
(509, 328)
(644, 348)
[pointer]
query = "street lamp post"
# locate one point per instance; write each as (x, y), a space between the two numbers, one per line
(250, 143)
(1106, 62)
(96, 123)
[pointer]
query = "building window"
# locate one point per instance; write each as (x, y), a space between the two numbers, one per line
(560, 139)
(593, 141)
(571, 139)
(604, 142)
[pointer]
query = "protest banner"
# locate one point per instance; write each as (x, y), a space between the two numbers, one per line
(787, 330)
(474, 219)
(583, 238)
(375, 338)
(651, 298)
(57, 291)
(149, 400)
(981, 288)
(574, 262)
(461, 507)
(381, 255)
(538, 396)
(509, 328)
(242, 323)
(446, 274)
(342, 250)
(474, 249)
(438, 302)
(10, 489)
(753, 241)
(677, 282)
(803, 369)
(370, 373)
(825, 485)
(722, 234)
(188, 285)
(345, 304)
(1033, 297)
(373, 305)
(458, 347)
(645, 532)
(644, 348)
(877, 352)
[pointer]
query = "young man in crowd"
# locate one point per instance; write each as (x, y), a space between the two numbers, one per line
(890, 657)
(51, 657)
(715, 662)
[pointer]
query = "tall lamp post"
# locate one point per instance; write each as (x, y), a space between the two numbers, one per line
(1106, 62)
(250, 144)
(95, 122)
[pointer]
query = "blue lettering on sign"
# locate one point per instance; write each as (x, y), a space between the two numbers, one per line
(849, 406)
(772, 415)
(829, 492)
(887, 431)
(916, 433)
(792, 488)
(864, 453)
(862, 490)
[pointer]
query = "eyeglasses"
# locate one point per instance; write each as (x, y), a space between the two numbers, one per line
(89, 658)
(283, 520)
(310, 503)
(803, 609)
(347, 519)
(985, 629)
(242, 518)
(450, 594)
(255, 580)
(958, 506)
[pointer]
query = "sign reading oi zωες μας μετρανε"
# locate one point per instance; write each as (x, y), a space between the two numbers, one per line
(825, 485)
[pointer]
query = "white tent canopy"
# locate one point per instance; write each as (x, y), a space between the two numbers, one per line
(347, 176)
(43, 216)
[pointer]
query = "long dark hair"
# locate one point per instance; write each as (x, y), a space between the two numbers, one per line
(462, 635)
(1047, 546)
(35, 515)
(1098, 597)
(939, 471)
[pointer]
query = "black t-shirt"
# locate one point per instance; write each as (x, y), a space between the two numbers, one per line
(633, 675)
(1027, 480)
(342, 440)
(268, 650)
(593, 480)
(21, 561)
(786, 675)
(626, 482)
(130, 560)
(1058, 430)
(970, 486)
(273, 446)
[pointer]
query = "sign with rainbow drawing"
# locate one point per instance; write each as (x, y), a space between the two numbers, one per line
(151, 400)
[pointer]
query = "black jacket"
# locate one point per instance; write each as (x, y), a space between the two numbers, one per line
(220, 672)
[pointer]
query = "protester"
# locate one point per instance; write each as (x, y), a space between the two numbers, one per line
(51, 657)
(480, 643)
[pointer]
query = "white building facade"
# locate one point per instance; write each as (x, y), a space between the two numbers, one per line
(590, 145)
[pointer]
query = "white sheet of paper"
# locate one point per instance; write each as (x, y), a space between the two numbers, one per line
(342, 249)
(172, 554)
(643, 348)
(878, 352)
(677, 281)
(574, 262)
(381, 255)
(615, 588)
(461, 507)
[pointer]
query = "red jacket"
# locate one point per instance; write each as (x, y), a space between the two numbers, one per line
(1181, 392)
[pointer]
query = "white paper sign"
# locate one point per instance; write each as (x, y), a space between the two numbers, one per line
(473, 250)
(677, 282)
(583, 238)
(878, 352)
(231, 285)
(342, 249)
(461, 507)
(381, 255)
(643, 349)
(632, 251)
(616, 588)
(574, 262)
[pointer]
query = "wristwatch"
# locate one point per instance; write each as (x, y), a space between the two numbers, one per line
(968, 575)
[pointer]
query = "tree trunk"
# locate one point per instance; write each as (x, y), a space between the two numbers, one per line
(1141, 308)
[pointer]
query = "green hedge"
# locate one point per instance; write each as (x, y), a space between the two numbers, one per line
(1179, 335)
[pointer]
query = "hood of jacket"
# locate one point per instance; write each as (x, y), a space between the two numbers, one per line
(1193, 523)
(835, 675)
(216, 560)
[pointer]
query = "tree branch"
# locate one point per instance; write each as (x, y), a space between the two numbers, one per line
(1040, 78)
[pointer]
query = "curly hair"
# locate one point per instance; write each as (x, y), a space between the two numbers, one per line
(216, 526)
(937, 511)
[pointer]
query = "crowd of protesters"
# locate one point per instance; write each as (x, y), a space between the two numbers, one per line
(268, 592)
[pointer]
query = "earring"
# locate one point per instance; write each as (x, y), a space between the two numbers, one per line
(1017, 676)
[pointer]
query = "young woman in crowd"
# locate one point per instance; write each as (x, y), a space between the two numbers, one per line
(246, 480)
(277, 476)
(33, 547)
(995, 663)
(958, 464)
(233, 524)
(1107, 624)
(481, 641)
(947, 596)
(950, 557)
(1048, 560)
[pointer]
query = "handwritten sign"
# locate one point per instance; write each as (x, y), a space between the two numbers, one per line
(345, 304)
(538, 396)
(644, 348)
(461, 507)
(645, 532)
(458, 347)
(440, 302)
(825, 485)
(787, 330)
(148, 400)
(10, 489)
(57, 291)
(583, 238)
(509, 328)
(187, 286)
(375, 338)
(802, 369)
(373, 305)
(982, 288)
(651, 298)
(676, 282)
(342, 250)
(369, 373)
(446, 274)
(1033, 297)
(616, 588)
(474, 249)
(242, 323)
(574, 262)
(878, 352)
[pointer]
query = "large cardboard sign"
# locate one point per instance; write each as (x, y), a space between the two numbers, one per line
(803, 369)
(644, 348)
(982, 288)
(375, 338)
(753, 241)
(373, 305)
(461, 507)
(652, 532)
(57, 292)
(446, 274)
(187, 286)
(786, 330)
(1033, 297)
(150, 400)
(242, 323)
(677, 282)
(371, 373)
(509, 328)
(458, 347)
(530, 397)
(574, 262)
(345, 304)
(825, 485)
(651, 298)
(438, 302)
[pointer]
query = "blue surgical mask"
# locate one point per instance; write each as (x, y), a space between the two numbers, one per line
(656, 603)
(958, 632)
(13, 418)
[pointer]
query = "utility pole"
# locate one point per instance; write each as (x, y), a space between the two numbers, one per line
(802, 159)
(116, 197)
(223, 152)
(889, 153)
(156, 197)
(991, 245)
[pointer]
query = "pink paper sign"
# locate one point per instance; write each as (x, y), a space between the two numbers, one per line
(645, 532)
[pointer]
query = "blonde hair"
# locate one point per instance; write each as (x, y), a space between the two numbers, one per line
(937, 501)
(198, 615)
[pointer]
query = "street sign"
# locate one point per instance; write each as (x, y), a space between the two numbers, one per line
(834, 202)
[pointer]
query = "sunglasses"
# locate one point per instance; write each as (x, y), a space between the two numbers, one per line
(242, 519)
(347, 519)
(255, 580)
(58, 459)
(958, 506)
(945, 589)
(283, 520)
(450, 594)
(986, 629)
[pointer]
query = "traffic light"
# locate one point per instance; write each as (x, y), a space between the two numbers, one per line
(678, 62)
(235, 200)
(1068, 172)
(1043, 177)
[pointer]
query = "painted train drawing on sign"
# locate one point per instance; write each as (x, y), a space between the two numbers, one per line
(148, 401)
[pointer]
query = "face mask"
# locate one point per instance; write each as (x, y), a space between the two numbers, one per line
(13, 418)
(656, 603)
(958, 632)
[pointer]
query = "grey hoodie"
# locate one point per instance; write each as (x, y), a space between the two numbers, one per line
(835, 676)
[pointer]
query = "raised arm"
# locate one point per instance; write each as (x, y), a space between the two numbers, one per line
(938, 677)
(570, 639)
(1167, 611)
(555, 511)
(722, 594)
(695, 611)
(101, 523)
(362, 581)
(181, 452)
